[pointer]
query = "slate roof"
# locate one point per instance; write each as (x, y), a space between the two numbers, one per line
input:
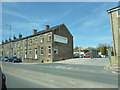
(115, 8)
(38, 33)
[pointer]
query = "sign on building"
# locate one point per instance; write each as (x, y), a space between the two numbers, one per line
(61, 39)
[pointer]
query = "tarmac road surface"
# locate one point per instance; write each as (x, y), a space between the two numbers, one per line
(58, 75)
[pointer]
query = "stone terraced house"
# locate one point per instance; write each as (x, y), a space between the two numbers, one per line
(115, 27)
(51, 44)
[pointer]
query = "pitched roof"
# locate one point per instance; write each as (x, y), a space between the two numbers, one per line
(114, 9)
(39, 33)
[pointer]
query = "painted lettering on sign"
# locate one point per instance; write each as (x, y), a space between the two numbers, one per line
(61, 39)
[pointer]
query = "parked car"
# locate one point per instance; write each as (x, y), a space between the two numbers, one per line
(87, 56)
(81, 56)
(99, 56)
(5, 59)
(76, 55)
(14, 59)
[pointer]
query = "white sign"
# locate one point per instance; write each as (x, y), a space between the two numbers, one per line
(61, 39)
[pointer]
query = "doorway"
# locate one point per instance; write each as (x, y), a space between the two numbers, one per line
(35, 53)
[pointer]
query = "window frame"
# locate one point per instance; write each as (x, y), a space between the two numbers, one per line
(49, 48)
(30, 41)
(118, 12)
(18, 44)
(41, 50)
(30, 52)
(36, 40)
(41, 39)
(56, 51)
(49, 37)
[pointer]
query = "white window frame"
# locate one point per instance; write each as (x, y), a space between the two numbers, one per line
(41, 39)
(21, 44)
(26, 53)
(30, 41)
(117, 13)
(49, 37)
(15, 45)
(49, 48)
(30, 52)
(56, 51)
(41, 49)
(18, 44)
(36, 40)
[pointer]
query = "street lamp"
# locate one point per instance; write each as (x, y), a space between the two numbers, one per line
(10, 29)
(10, 39)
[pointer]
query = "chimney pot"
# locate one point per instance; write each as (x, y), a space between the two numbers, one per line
(2, 42)
(47, 27)
(34, 31)
(14, 37)
(20, 36)
(6, 40)
(9, 39)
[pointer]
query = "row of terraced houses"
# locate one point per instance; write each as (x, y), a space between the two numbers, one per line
(51, 44)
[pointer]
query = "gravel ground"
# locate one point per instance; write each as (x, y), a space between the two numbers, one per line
(86, 61)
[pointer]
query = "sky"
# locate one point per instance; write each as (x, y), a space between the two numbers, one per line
(88, 22)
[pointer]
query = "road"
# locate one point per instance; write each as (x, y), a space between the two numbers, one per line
(58, 75)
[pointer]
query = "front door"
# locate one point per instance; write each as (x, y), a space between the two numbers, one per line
(35, 53)
(25, 53)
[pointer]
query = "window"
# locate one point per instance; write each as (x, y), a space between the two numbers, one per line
(14, 54)
(25, 43)
(15, 45)
(118, 13)
(21, 53)
(41, 39)
(35, 40)
(30, 52)
(30, 42)
(49, 49)
(18, 44)
(21, 43)
(41, 51)
(49, 37)
(55, 51)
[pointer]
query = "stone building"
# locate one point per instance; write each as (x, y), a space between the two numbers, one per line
(115, 27)
(51, 44)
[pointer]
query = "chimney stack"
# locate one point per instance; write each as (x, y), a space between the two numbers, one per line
(20, 36)
(6, 40)
(47, 27)
(9, 39)
(14, 37)
(34, 31)
(2, 42)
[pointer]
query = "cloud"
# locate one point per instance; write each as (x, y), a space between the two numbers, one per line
(10, 12)
(65, 13)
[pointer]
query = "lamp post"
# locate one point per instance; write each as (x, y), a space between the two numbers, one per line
(10, 38)
(10, 29)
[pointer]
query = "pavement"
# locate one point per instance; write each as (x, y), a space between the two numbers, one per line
(112, 69)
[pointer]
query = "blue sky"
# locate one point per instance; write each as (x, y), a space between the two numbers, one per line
(88, 22)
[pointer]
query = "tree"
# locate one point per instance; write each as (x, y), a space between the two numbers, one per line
(103, 48)
(76, 49)
(84, 50)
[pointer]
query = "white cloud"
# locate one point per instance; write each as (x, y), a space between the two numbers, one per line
(9, 12)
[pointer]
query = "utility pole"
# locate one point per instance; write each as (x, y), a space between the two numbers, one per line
(10, 39)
